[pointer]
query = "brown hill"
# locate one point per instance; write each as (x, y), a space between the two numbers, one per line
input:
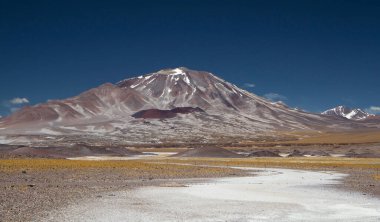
(208, 152)
(264, 153)
(315, 153)
(76, 150)
(295, 153)
(367, 154)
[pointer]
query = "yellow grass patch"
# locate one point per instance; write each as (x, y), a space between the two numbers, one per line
(302, 162)
(132, 168)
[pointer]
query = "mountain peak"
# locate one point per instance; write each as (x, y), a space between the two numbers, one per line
(347, 112)
(182, 87)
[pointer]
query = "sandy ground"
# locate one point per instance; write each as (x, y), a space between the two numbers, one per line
(270, 195)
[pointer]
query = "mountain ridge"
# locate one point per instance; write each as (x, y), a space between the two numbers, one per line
(348, 113)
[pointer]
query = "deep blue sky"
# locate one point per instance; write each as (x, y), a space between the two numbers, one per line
(317, 54)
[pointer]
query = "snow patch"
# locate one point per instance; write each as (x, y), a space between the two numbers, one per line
(134, 86)
(5, 140)
(351, 114)
(49, 131)
(69, 127)
(176, 71)
(187, 80)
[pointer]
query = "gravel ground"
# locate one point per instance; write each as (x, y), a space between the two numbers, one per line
(31, 195)
(28, 195)
(362, 181)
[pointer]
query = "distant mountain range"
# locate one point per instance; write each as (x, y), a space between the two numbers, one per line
(348, 113)
(170, 105)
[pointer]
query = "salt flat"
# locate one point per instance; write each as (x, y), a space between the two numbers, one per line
(270, 195)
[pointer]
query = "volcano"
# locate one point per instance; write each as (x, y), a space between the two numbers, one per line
(179, 104)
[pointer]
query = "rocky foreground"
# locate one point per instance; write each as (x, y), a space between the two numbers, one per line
(31, 188)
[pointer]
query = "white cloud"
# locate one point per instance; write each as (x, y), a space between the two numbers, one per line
(12, 105)
(274, 97)
(373, 110)
(18, 100)
(249, 85)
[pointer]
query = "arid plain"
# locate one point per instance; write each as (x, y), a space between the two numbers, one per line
(35, 188)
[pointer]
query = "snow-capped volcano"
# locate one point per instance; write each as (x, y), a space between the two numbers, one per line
(348, 113)
(182, 87)
(164, 106)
